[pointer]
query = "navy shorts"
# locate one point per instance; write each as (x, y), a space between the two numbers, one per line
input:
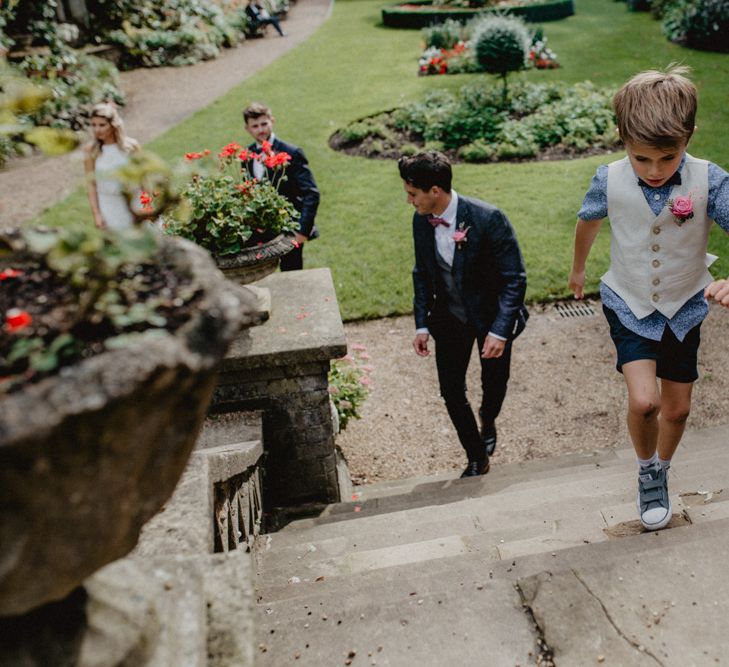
(675, 360)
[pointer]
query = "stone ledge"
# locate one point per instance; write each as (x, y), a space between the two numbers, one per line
(305, 324)
(226, 428)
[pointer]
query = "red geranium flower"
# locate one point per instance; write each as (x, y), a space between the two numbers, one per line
(16, 319)
(229, 150)
(10, 273)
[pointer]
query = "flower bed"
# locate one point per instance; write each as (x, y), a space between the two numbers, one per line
(423, 14)
(535, 121)
(461, 59)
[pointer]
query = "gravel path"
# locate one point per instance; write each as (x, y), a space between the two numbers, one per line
(157, 99)
(564, 396)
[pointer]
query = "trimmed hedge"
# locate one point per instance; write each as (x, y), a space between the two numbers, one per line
(394, 16)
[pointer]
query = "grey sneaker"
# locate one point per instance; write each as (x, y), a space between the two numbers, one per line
(654, 505)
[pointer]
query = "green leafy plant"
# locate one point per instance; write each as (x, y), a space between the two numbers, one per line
(478, 124)
(698, 24)
(501, 45)
(445, 35)
(227, 208)
(20, 99)
(174, 32)
(349, 384)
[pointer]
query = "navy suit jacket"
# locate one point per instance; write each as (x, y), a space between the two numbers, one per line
(297, 185)
(488, 270)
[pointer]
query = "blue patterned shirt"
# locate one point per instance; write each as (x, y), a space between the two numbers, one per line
(595, 207)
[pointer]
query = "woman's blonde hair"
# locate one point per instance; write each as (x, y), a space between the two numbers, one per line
(109, 112)
(657, 108)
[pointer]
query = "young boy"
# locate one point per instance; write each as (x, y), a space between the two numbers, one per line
(661, 203)
(298, 186)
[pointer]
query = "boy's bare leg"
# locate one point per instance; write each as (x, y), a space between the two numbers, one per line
(675, 407)
(644, 402)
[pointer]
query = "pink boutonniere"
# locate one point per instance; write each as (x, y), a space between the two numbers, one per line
(460, 235)
(682, 209)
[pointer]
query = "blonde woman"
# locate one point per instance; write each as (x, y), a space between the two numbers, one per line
(107, 151)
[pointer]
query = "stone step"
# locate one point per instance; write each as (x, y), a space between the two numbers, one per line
(505, 526)
(524, 518)
(694, 441)
(549, 498)
(500, 527)
(406, 615)
(440, 489)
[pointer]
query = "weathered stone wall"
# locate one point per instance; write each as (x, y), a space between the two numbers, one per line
(281, 368)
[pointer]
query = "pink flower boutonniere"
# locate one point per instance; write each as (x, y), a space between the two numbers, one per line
(682, 209)
(460, 236)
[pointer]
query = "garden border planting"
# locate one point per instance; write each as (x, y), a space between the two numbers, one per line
(422, 14)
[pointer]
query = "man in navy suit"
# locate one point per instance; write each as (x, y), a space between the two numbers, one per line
(469, 284)
(297, 185)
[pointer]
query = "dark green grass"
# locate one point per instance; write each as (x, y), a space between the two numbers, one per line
(353, 67)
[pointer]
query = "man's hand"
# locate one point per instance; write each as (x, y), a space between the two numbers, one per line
(300, 238)
(420, 343)
(577, 283)
(719, 291)
(493, 347)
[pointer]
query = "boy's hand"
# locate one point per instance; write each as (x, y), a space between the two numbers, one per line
(719, 291)
(420, 343)
(577, 283)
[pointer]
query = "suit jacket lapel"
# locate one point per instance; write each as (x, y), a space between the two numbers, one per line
(460, 253)
(426, 237)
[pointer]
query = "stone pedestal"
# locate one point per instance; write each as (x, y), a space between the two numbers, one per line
(281, 368)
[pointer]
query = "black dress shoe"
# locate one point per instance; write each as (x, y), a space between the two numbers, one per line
(488, 438)
(476, 468)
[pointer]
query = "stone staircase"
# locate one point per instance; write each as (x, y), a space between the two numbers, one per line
(535, 563)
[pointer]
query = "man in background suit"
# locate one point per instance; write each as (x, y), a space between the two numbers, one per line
(469, 284)
(298, 186)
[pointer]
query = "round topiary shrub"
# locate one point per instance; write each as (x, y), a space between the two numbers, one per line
(501, 45)
(698, 24)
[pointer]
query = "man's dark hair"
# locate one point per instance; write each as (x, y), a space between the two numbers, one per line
(255, 110)
(425, 170)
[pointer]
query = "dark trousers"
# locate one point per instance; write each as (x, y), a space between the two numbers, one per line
(272, 20)
(453, 347)
(293, 260)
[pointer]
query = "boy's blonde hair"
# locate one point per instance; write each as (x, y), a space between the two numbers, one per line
(657, 108)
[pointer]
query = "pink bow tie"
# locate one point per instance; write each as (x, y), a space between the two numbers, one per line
(435, 221)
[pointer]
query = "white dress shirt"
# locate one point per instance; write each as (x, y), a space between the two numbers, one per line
(259, 170)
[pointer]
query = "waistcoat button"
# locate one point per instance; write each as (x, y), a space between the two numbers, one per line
(655, 247)
(656, 230)
(656, 297)
(656, 281)
(656, 263)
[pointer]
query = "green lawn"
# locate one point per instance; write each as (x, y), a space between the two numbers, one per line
(353, 67)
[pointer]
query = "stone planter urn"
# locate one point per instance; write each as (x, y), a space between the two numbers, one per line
(254, 263)
(89, 455)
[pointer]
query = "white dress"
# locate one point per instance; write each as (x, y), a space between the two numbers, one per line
(112, 203)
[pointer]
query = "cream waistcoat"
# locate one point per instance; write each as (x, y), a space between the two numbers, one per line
(655, 264)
